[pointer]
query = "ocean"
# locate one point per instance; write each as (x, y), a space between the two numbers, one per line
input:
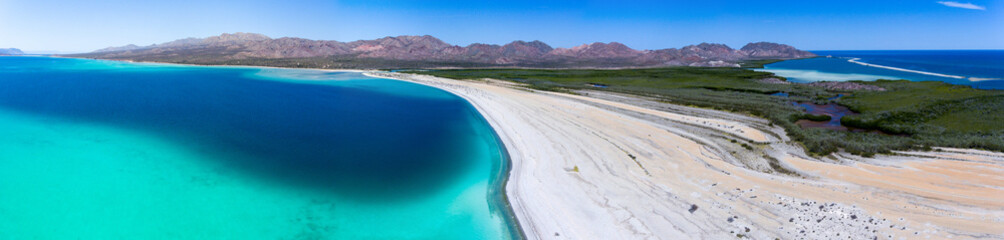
(982, 69)
(96, 149)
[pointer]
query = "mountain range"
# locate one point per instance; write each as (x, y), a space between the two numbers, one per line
(11, 51)
(427, 51)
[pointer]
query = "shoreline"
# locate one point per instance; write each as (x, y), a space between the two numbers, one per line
(595, 167)
(855, 60)
(514, 226)
(502, 178)
(504, 141)
(211, 66)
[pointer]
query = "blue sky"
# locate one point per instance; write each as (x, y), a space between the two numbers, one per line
(65, 25)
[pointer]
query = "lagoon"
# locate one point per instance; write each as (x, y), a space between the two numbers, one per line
(101, 149)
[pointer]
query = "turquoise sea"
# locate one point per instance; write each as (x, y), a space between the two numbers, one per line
(96, 149)
(978, 68)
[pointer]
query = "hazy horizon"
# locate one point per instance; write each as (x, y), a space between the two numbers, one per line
(69, 26)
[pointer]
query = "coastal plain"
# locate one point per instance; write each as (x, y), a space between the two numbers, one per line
(597, 165)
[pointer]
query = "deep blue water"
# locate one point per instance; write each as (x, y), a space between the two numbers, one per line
(361, 139)
(354, 139)
(967, 63)
(977, 68)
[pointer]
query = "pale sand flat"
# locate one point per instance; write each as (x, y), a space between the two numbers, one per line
(636, 179)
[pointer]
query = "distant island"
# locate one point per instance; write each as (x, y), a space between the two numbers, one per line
(430, 52)
(10, 51)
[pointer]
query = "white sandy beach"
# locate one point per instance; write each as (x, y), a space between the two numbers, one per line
(605, 166)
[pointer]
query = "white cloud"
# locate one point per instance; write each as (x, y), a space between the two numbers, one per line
(962, 5)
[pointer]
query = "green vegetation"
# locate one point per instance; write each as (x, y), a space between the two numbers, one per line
(912, 115)
(649, 81)
(757, 63)
(818, 118)
(934, 113)
(218, 56)
(224, 56)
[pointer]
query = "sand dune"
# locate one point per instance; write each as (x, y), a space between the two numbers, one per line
(612, 167)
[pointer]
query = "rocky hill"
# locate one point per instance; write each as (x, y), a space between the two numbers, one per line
(427, 51)
(10, 51)
(767, 50)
